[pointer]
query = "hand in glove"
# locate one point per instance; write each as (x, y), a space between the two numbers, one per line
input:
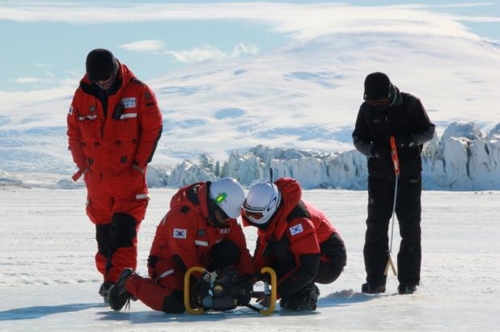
(379, 152)
(204, 284)
(246, 288)
(264, 300)
(202, 288)
(405, 140)
(152, 260)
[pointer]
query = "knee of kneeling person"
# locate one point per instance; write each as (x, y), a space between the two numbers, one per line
(174, 304)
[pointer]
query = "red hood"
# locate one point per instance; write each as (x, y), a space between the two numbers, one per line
(184, 197)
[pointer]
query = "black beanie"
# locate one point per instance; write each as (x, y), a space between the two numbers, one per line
(377, 86)
(100, 64)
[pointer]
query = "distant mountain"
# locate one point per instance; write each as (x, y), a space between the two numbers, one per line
(302, 97)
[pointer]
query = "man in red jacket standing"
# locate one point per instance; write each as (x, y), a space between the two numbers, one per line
(200, 229)
(114, 125)
(295, 239)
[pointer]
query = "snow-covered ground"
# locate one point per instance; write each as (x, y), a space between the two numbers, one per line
(48, 281)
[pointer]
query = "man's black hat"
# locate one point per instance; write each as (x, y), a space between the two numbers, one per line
(100, 64)
(377, 86)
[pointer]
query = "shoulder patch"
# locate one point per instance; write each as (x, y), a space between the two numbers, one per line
(184, 209)
(294, 230)
(180, 233)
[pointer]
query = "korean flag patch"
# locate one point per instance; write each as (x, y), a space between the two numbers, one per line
(129, 102)
(296, 229)
(180, 233)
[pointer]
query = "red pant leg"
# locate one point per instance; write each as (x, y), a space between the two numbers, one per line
(148, 292)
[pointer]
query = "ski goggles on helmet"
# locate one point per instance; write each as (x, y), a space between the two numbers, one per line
(261, 203)
(260, 215)
(253, 215)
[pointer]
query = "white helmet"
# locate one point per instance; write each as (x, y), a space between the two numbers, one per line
(261, 203)
(229, 195)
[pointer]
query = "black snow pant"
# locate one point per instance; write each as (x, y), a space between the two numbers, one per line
(335, 250)
(408, 213)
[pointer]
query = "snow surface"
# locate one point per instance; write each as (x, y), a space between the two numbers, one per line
(48, 281)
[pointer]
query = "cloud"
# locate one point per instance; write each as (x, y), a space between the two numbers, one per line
(300, 21)
(197, 54)
(144, 45)
(209, 52)
(478, 19)
(243, 49)
(30, 80)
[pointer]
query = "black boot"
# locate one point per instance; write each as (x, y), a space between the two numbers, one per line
(404, 289)
(305, 299)
(118, 295)
(372, 288)
(104, 290)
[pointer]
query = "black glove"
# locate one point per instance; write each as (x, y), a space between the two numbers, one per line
(405, 140)
(202, 288)
(246, 288)
(379, 152)
(264, 277)
(152, 260)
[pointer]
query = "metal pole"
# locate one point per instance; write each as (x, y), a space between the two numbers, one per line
(395, 162)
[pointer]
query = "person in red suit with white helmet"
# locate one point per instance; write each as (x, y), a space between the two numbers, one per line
(199, 230)
(294, 238)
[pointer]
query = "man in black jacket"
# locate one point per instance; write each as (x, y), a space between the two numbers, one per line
(386, 112)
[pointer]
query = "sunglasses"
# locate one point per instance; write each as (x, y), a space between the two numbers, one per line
(223, 215)
(106, 83)
(378, 102)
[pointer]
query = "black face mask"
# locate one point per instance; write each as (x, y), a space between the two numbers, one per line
(391, 100)
(212, 206)
(383, 107)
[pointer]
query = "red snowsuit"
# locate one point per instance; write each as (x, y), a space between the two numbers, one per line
(300, 243)
(184, 238)
(112, 137)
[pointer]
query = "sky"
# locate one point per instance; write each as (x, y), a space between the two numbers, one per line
(49, 40)
(48, 281)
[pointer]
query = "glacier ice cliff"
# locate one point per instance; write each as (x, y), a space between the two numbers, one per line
(463, 158)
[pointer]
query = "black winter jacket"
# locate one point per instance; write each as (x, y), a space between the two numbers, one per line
(407, 121)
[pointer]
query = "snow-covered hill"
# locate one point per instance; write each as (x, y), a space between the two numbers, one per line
(294, 108)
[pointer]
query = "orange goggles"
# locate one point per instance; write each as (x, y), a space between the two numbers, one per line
(255, 215)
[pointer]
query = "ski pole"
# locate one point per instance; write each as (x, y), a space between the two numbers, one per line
(395, 162)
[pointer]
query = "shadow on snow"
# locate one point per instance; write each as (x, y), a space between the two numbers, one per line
(341, 298)
(346, 297)
(40, 311)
